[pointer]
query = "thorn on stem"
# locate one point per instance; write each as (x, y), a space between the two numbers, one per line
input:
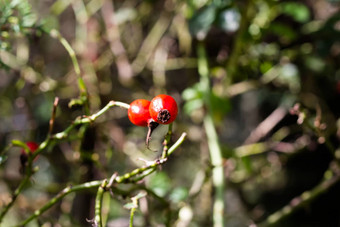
(93, 222)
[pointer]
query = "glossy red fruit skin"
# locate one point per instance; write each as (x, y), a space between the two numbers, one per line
(163, 109)
(138, 112)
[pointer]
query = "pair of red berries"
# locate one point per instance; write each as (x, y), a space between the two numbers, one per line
(162, 109)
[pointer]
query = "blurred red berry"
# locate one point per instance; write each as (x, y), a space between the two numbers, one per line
(33, 146)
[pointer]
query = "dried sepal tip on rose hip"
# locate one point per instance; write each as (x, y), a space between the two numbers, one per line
(163, 109)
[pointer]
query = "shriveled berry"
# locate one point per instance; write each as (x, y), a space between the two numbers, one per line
(163, 109)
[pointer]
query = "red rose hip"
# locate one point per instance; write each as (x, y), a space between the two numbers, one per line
(163, 109)
(33, 146)
(138, 112)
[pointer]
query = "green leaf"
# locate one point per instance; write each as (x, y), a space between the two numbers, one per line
(219, 106)
(160, 183)
(3, 158)
(283, 31)
(49, 23)
(14, 3)
(29, 20)
(201, 22)
(192, 105)
(296, 10)
(179, 194)
(265, 66)
(129, 206)
(191, 93)
(315, 63)
(194, 98)
(140, 195)
(134, 203)
(246, 161)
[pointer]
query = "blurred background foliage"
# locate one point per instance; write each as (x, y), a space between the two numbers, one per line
(264, 56)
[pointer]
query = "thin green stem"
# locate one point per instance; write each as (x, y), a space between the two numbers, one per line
(56, 34)
(14, 196)
(132, 213)
(134, 205)
(51, 138)
(239, 43)
(28, 173)
(217, 171)
(57, 198)
(89, 119)
(133, 176)
(98, 204)
(177, 144)
(213, 143)
(81, 84)
(167, 141)
(300, 201)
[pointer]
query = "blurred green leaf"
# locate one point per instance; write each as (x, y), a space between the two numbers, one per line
(129, 206)
(247, 164)
(49, 23)
(192, 105)
(160, 183)
(284, 32)
(140, 195)
(191, 93)
(219, 106)
(222, 3)
(3, 158)
(179, 194)
(134, 203)
(13, 3)
(315, 63)
(296, 10)
(29, 20)
(200, 23)
(265, 66)
(193, 97)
